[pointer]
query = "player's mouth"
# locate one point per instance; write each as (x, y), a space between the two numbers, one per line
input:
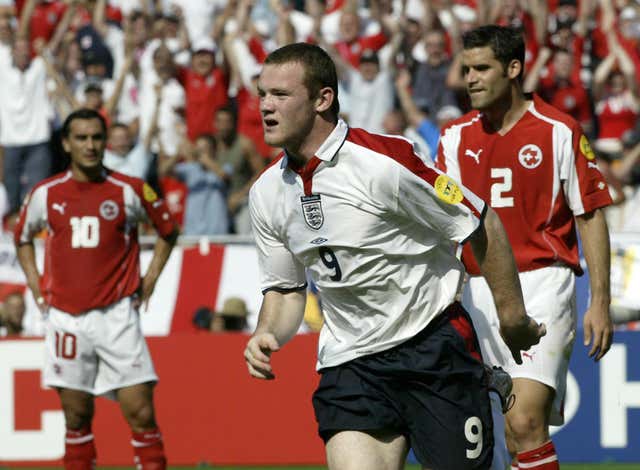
(269, 123)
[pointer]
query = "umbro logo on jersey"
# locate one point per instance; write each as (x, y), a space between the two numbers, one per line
(312, 211)
(530, 156)
(474, 155)
(59, 207)
(593, 165)
(319, 241)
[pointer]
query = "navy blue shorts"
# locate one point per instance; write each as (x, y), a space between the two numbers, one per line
(432, 389)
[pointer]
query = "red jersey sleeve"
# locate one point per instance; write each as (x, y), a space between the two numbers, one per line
(375, 42)
(33, 217)
(591, 185)
(156, 209)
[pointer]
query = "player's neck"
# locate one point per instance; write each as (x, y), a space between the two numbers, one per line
(307, 149)
(506, 113)
(86, 175)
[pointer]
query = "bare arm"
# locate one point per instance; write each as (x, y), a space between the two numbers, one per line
(222, 19)
(586, 10)
(625, 63)
(257, 163)
(414, 115)
(161, 252)
(532, 80)
(99, 17)
(27, 257)
(111, 105)
(539, 11)
(601, 74)
(166, 163)
(63, 26)
(280, 317)
(213, 166)
(622, 171)
(25, 19)
(595, 244)
(153, 129)
(61, 83)
(492, 250)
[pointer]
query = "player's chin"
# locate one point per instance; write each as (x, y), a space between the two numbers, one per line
(273, 139)
(478, 103)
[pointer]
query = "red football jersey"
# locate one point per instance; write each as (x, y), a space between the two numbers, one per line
(616, 115)
(537, 177)
(204, 95)
(351, 52)
(91, 249)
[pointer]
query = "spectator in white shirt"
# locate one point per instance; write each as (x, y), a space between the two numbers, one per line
(125, 157)
(172, 101)
(25, 130)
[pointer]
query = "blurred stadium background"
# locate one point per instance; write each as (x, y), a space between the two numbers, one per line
(209, 409)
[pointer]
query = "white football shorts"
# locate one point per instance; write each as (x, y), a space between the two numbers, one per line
(549, 297)
(98, 351)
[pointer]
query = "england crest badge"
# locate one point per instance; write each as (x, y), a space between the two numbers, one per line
(312, 211)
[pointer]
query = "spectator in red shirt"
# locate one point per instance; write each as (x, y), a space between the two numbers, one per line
(352, 42)
(557, 85)
(44, 17)
(205, 88)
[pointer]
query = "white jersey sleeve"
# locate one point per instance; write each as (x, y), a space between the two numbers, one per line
(33, 215)
(279, 268)
(439, 203)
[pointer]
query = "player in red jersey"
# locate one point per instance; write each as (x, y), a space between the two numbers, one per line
(536, 169)
(91, 289)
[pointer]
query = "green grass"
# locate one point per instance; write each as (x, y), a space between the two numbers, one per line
(579, 466)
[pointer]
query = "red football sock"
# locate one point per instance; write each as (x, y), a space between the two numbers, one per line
(542, 458)
(79, 450)
(148, 450)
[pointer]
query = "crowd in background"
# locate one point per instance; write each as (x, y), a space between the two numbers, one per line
(176, 81)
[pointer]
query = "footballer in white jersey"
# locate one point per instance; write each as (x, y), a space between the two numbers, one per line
(376, 229)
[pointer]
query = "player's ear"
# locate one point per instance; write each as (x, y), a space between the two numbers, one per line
(514, 69)
(325, 99)
(66, 146)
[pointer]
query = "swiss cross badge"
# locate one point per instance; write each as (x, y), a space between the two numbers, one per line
(109, 209)
(530, 156)
(312, 211)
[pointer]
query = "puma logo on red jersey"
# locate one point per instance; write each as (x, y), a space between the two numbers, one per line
(59, 207)
(474, 155)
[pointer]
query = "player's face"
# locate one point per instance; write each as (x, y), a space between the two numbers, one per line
(202, 63)
(119, 140)
(85, 144)
(485, 77)
(225, 125)
(288, 112)
(349, 26)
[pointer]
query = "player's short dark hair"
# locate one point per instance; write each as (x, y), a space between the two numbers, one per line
(82, 113)
(320, 71)
(506, 43)
(227, 109)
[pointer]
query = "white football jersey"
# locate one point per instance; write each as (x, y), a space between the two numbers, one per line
(375, 227)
